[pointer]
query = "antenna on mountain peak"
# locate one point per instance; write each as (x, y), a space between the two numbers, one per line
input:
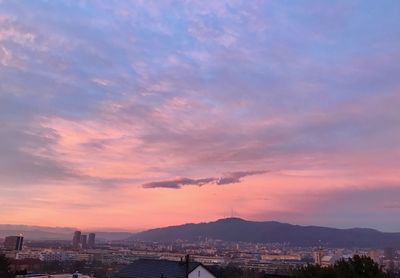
(233, 213)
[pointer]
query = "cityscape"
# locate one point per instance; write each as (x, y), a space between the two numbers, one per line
(92, 257)
(199, 139)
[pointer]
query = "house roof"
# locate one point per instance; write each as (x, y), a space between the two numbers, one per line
(275, 276)
(327, 258)
(146, 268)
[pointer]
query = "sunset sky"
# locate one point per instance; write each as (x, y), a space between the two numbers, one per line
(140, 114)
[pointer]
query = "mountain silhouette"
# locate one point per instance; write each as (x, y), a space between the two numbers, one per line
(239, 230)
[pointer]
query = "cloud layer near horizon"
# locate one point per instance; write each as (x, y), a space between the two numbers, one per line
(100, 101)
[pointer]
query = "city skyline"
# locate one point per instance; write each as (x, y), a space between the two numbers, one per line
(142, 114)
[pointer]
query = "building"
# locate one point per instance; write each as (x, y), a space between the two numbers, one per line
(375, 255)
(13, 243)
(91, 241)
(148, 268)
(76, 239)
(328, 260)
(84, 241)
(389, 253)
(59, 256)
(318, 257)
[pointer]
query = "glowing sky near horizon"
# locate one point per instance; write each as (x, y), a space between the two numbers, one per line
(139, 114)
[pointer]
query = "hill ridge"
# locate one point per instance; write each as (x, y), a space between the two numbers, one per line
(237, 229)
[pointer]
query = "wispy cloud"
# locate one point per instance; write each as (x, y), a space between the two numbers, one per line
(178, 183)
(234, 177)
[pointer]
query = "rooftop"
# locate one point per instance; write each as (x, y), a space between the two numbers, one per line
(146, 268)
(51, 276)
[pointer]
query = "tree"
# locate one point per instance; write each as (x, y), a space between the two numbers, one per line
(4, 267)
(356, 267)
(233, 271)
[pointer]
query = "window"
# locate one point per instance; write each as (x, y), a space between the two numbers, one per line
(198, 274)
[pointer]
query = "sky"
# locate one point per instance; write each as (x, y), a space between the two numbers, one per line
(141, 114)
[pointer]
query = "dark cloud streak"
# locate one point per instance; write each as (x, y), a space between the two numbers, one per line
(228, 178)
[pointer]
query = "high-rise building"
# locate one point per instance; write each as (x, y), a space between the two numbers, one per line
(84, 241)
(76, 239)
(318, 255)
(91, 241)
(14, 243)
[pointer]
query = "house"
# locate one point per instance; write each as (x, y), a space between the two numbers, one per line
(149, 268)
(275, 276)
(328, 260)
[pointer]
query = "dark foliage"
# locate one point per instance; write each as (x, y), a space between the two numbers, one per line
(357, 267)
(231, 271)
(4, 267)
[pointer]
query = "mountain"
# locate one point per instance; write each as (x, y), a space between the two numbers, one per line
(236, 229)
(54, 233)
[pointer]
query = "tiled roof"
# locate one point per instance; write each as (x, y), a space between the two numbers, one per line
(146, 268)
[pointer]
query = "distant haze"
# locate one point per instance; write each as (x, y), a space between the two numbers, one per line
(56, 233)
(229, 229)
